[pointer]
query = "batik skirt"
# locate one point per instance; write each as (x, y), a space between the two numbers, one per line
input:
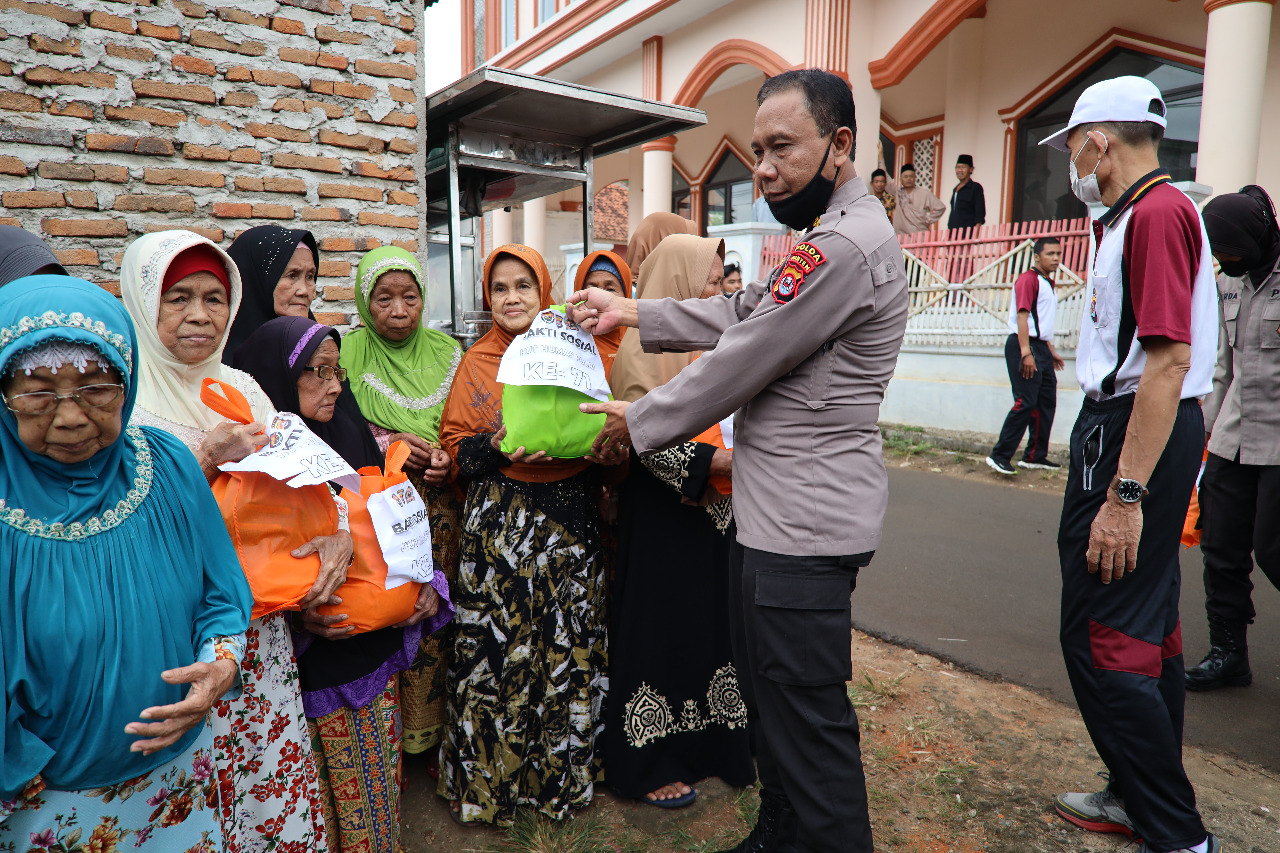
(422, 688)
(172, 809)
(528, 672)
(270, 788)
(358, 751)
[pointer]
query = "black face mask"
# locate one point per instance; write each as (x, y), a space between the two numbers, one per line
(799, 210)
(1235, 269)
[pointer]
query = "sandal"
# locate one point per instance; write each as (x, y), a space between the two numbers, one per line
(674, 802)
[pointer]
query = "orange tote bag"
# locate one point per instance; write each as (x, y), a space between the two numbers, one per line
(368, 603)
(267, 519)
(1191, 526)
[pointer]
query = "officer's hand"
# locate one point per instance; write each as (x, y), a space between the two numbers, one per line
(1028, 366)
(1113, 539)
(615, 435)
(600, 312)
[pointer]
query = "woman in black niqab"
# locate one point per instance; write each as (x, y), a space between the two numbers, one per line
(1243, 226)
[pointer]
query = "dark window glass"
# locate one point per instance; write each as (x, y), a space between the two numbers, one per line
(1041, 187)
(681, 196)
(890, 152)
(727, 193)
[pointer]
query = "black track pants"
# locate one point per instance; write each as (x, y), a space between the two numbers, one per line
(1121, 641)
(1240, 521)
(1034, 402)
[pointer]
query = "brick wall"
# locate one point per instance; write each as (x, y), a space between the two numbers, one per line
(119, 118)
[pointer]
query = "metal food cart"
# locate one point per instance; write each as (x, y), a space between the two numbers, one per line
(497, 138)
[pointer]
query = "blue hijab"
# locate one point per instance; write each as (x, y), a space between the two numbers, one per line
(110, 569)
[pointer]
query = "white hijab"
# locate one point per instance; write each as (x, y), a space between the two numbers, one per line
(167, 388)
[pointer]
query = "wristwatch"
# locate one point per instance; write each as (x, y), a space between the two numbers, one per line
(1129, 491)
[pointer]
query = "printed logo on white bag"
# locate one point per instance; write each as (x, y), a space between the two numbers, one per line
(297, 456)
(404, 534)
(555, 351)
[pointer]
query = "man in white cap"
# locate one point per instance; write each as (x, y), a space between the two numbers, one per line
(1147, 350)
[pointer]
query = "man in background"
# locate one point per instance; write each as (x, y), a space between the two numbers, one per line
(732, 279)
(968, 204)
(1032, 361)
(879, 180)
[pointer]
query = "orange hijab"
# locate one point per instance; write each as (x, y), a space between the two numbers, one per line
(653, 230)
(607, 344)
(475, 400)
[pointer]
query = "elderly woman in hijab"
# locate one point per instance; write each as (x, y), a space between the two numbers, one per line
(400, 374)
(1240, 489)
(350, 682)
(123, 609)
(655, 228)
(606, 271)
(23, 253)
(183, 292)
(278, 266)
(530, 592)
(673, 650)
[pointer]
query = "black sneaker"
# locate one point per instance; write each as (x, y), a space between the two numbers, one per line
(1001, 467)
(776, 825)
(1042, 465)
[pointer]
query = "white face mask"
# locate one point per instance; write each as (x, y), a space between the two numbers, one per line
(1086, 189)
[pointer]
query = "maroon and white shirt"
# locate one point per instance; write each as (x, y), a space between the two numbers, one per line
(1033, 293)
(1152, 276)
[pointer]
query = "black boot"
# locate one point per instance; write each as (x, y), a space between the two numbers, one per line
(777, 824)
(1227, 664)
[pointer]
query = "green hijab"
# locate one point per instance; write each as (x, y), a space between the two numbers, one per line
(400, 385)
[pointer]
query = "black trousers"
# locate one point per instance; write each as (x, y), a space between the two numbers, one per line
(790, 625)
(1240, 523)
(1034, 402)
(1121, 641)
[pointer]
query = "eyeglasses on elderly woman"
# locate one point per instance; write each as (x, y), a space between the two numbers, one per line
(45, 402)
(327, 372)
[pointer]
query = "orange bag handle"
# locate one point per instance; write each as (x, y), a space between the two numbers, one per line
(374, 479)
(232, 405)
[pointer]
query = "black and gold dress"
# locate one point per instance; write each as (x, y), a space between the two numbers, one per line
(528, 669)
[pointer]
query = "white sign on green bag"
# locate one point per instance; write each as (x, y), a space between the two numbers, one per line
(555, 351)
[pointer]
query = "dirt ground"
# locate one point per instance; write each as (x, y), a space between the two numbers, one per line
(955, 762)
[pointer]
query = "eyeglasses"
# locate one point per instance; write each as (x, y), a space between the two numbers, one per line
(44, 402)
(327, 372)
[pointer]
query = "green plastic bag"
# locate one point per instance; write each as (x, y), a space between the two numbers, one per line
(546, 417)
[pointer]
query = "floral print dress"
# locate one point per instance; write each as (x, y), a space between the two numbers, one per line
(172, 809)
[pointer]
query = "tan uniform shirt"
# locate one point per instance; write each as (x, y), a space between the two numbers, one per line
(1243, 411)
(804, 361)
(917, 208)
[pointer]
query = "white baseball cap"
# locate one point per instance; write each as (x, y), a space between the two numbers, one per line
(1118, 99)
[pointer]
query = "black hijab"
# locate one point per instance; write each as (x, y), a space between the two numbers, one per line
(22, 253)
(261, 254)
(275, 356)
(1244, 224)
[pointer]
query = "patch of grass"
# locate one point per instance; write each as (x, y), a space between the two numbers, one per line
(534, 833)
(923, 731)
(918, 429)
(747, 804)
(902, 446)
(868, 691)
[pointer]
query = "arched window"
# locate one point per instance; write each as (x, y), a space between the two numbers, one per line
(727, 193)
(1041, 187)
(681, 195)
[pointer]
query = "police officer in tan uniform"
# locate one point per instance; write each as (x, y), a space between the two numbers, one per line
(1240, 488)
(804, 360)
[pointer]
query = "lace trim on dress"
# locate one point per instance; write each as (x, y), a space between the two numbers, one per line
(671, 466)
(78, 530)
(648, 716)
(434, 400)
